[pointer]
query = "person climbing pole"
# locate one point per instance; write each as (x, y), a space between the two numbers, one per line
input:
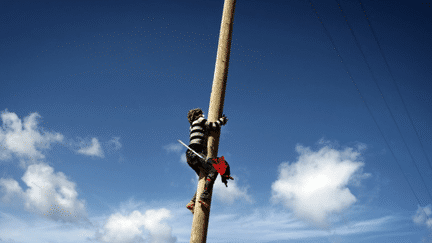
(199, 131)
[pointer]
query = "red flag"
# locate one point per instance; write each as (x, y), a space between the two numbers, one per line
(220, 165)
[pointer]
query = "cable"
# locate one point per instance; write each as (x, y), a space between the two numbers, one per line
(394, 82)
(385, 102)
(373, 118)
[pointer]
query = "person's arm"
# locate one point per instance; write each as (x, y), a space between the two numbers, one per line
(216, 125)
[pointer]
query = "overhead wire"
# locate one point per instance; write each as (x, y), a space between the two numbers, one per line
(361, 96)
(385, 101)
(364, 101)
(394, 82)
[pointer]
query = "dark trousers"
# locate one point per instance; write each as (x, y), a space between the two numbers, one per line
(194, 161)
(197, 164)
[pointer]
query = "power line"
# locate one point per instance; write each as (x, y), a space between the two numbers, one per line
(373, 118)
(394, 82)
(385, 102)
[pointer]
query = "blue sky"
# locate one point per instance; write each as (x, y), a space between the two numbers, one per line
(320, 137)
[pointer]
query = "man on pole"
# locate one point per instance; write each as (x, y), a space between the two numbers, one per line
(197, 151)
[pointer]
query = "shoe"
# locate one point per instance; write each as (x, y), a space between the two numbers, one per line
(191, 206)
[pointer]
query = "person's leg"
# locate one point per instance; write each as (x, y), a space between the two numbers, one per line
(191, 204)
(205, 196)
(196, 163)
(193, 161)
(207, 165)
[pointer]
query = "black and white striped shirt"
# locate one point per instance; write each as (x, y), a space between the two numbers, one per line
(199, 132)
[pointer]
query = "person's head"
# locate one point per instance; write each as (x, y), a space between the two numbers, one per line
(194, 114)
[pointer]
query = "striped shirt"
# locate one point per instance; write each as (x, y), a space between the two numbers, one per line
(199, 132)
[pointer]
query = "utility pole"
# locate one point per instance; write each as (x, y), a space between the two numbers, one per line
(201, 215)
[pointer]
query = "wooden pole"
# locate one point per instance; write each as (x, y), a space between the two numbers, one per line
(201, 216)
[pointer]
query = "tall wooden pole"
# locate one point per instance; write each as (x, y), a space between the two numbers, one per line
(201, 215)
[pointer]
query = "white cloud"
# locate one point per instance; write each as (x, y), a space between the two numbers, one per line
(231, 193)
(173, 147)
(269, 224)
(131, 228)
(229, 224)
(48, 194)
(423, 216)
(25, 140)
(93, 150)
(10, 188)
(22, 140)
(25, 228)
(316, 185)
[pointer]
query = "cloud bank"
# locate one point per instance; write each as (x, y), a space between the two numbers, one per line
(48, 194)
(24, 140)
(131, 227)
